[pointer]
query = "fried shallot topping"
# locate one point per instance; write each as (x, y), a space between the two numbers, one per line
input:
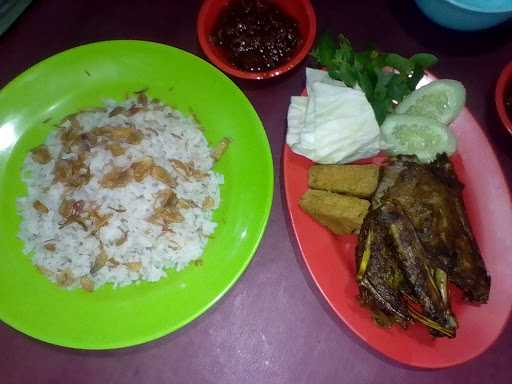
(41, 155)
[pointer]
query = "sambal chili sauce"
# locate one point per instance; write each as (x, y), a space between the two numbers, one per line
(256, 35)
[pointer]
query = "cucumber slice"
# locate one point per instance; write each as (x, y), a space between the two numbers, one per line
(441, 100)
(416, 135)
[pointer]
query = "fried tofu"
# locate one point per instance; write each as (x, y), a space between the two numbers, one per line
(352, 179)
(340, 213)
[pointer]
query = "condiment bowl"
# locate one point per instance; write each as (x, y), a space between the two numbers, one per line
(299, 10)
(466, 15)
(504, 89)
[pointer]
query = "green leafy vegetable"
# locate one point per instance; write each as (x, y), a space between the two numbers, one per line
(385, 78)
(324, 51)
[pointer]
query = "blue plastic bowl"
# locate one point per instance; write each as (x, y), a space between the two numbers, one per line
(466, 15)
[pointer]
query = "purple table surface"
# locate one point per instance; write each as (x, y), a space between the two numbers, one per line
(273, 326)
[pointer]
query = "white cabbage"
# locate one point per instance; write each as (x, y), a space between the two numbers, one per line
(333, 124)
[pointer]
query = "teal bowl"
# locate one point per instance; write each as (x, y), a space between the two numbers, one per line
(467, 15)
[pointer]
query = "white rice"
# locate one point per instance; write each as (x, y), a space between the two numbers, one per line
(167, 135)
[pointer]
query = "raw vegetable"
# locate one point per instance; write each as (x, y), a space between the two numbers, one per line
(385, 78)
(441, 100)
(333, 124)
(417, 135)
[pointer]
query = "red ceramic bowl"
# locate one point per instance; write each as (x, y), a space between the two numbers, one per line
(504, 88)
(300, 10)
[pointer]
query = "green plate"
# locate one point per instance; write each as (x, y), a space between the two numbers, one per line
(83, 77)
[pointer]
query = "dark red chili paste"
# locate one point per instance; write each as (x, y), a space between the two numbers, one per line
(256, 35)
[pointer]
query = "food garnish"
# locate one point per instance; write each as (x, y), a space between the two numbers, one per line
(134, 266)
(65, 278)
(40, 207)
(333, 123)
(86, 284)
(385, 78)
(441, 100)
(220, 148)
(51, 247)
(417, 135)
(100, 261)
(142, 168)
(41, 154)
(162, 175)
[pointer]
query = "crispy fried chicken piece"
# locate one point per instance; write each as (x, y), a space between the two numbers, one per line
(416, 267)
(414, 240)
(431, 196)
(379, 276)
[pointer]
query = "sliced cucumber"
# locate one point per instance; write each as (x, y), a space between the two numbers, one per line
(416, 135)
(441, 100)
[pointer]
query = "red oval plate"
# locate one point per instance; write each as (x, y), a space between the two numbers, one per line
(331, 259)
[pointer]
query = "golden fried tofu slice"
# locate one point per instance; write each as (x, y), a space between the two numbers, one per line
(342, 214)
(352, 179)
